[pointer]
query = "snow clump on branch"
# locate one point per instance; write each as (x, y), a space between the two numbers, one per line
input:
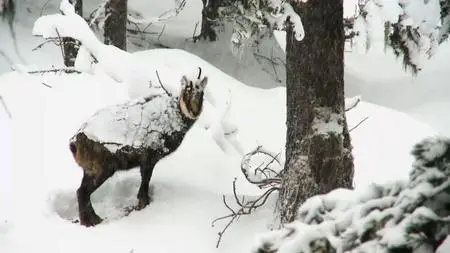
(260, 14)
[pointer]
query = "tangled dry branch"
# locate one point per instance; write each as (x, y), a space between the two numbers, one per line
(246, 207)
(264, 176)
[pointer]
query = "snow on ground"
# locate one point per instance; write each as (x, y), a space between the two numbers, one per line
(187, 186)
(45, 177)
(5, 168)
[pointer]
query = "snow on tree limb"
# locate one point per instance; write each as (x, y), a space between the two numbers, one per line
(403, 215)
(413, 29)
(257, 15)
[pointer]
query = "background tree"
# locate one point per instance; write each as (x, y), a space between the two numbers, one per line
(115, 28)
(318, 150)
(71, 46)
(209, 19)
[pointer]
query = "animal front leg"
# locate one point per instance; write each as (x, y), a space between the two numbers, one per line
(146, 175)
(89, 184)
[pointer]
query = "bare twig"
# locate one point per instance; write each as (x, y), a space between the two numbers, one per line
(162, 86)
(6, 107)
(353, 128)
(60, 43)
(49, 86)
(194, 38)
(268, 181)
(353, 105)
(162, 31)
(246, 208)
(44, 7)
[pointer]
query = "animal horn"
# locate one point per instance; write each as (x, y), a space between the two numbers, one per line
(199, 72)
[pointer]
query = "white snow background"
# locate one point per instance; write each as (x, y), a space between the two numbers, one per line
(39, 178)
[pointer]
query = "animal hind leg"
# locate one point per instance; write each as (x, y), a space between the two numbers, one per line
(147, 167)
(89, 184)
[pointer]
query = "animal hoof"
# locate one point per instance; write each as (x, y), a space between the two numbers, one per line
(91, 221)
(142, 204)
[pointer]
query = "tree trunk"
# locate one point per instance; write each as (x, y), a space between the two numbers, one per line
(71, 46)
(209, 17)
(318, 148)
(115, 29)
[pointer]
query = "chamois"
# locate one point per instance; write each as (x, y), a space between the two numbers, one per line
(137, 133)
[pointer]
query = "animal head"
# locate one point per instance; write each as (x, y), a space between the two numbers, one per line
(191, 95)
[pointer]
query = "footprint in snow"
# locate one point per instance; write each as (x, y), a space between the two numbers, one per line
(115, 199)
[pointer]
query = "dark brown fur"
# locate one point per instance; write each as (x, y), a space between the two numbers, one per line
(98, 163)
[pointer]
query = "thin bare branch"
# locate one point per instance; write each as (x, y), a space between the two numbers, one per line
(43, 8)
(162, 31)
(353, 128)
(160, 83)
(268, 180)
(245, 208)
(49, 86)
(61, 43)
(353, 105)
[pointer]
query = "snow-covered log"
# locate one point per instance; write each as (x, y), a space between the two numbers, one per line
(137, 133)
(404, 216)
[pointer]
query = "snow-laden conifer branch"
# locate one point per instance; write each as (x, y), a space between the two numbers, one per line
(407, 216)
(260, 14)
(97, 16)
(413, 29)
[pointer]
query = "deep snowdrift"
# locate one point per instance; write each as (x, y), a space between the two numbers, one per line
(187, 186)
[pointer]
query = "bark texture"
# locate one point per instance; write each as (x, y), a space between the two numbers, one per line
(71, 45)
(318, 147)
(209, 19)
(115, 29)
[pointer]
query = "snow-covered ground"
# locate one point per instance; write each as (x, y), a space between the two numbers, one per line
(187, 186)
(39, 178)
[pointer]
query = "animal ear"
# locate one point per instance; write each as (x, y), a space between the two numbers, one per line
(184, 81)
(204, 82)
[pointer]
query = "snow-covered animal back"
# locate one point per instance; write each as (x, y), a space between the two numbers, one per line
(140, 123)
(136, 133)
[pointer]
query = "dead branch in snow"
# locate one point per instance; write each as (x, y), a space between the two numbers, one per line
(246, 207)
(66, 70)
(262, 175)
(56, 41)
(46, 85)
(6, 107)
